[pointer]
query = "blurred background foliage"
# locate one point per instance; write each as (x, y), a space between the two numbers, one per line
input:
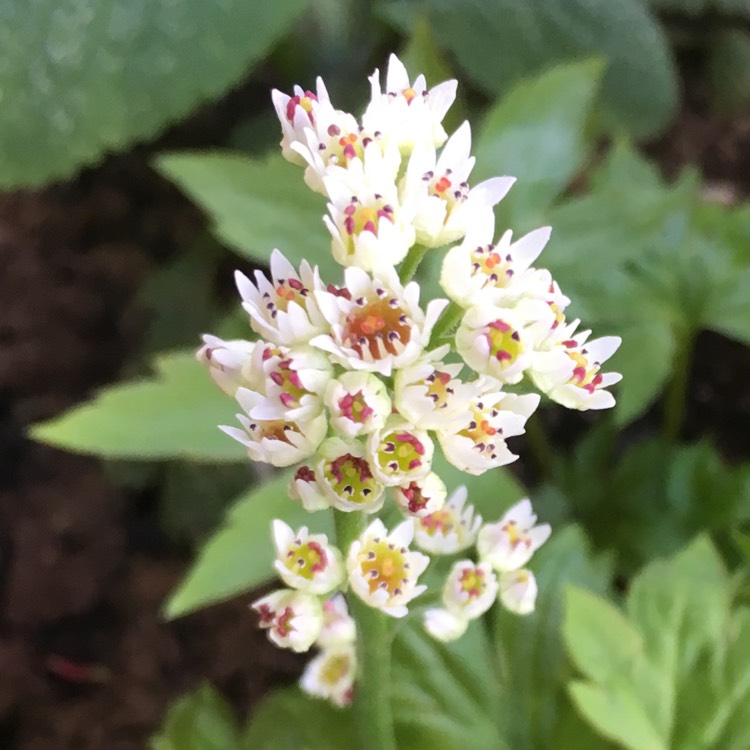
(567, 95)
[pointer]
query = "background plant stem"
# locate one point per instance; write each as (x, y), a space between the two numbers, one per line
(372, 699)
(676, 394)
(538, 440)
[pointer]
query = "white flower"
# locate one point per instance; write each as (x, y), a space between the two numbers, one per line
(429, 393)
(438, 187)
(358, 403)
(335, 139)
(444, 625)
(497, 341)
(283, 309)
(477, 442)
(296, 114)
(569, 372)
(518, 591)
(331, 675)
(278, 442)
(420, 497)
(382, 570)
(407, 113)
(368, 224)
(510, 543)
(295, 380)
(338, 625)
(549, 332)
(478, 270)
(306, 562)
(449, 530)
(376, 324)
(305, 488)
(346, 477)
(226, 361)
(470, 589)
(293, 619)
(399, 452)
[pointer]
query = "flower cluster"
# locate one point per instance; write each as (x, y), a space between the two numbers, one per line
(356, 381)
(379, 568)
(471, 588)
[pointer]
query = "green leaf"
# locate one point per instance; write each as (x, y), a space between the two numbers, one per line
(289, 720)
(617, 717)
(445, 695)
(670, 673)
(662, 495)
(79, 78)
(600, 639)
(742, 542)
(499, 42)
(680, 605)
(199, 721)
(536, 133)
(172, 415)
(535, 706)
(645, 360)
(600, 242)
(239, 556)
(256, 206)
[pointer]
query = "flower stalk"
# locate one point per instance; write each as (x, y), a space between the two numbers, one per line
(446, 323)
(372, 700)
(411, 263)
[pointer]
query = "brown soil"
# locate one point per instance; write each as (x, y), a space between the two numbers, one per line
(85, 661)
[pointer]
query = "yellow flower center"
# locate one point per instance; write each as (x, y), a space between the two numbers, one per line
(504, 342)
(585, 374)
(335, 669)
(472, 582)
(442, 522)
(384, 566)
(515, 535)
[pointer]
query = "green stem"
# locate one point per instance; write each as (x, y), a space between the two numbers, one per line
(676, 395)
(372, 699)
(411, 263)
(544, 453)
(446, 322)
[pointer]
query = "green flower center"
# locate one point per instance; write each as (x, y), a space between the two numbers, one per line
(350, 478)
(504, 342)
(400, 453)
(306, 560)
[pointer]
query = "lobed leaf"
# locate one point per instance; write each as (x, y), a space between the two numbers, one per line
(670, 673)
